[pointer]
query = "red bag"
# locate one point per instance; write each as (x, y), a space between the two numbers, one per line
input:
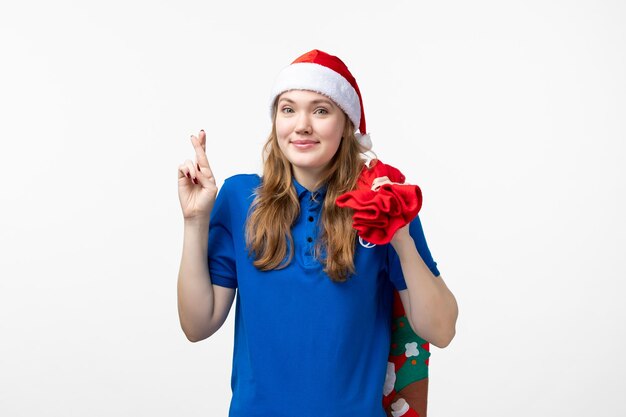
(379, 214)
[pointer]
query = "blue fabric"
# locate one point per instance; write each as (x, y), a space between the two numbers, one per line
(304, 346)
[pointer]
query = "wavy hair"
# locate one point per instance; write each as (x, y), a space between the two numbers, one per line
(276, 207)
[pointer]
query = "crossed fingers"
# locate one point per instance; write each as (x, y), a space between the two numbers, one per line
(200, 172)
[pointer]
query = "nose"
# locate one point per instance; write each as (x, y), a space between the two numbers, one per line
(303, 124)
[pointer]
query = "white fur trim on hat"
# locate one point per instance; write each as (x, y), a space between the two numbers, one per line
(364, 140)
(321, 79)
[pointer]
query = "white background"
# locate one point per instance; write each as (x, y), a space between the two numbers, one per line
(509, 115)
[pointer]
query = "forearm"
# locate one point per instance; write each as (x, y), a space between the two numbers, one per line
(434, 310)
(195, 291)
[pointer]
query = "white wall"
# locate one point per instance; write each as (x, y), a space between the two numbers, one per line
(509, 115)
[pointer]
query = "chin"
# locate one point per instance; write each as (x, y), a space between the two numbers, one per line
(307, 165)
(302, 159)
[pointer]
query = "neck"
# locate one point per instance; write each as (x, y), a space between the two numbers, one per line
(307, 178)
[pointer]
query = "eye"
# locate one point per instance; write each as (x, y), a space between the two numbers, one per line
(286, 109)
(322, 110)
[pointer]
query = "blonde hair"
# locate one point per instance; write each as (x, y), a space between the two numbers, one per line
(276, 207)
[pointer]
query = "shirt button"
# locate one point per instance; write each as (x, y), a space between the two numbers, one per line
(309, 239)
(311, 218)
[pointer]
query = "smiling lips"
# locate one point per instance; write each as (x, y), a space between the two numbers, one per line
(303, 144)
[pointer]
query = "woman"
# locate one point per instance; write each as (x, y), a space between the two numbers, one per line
(314, 300)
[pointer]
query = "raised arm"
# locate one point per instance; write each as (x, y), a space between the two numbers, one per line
(202, 306)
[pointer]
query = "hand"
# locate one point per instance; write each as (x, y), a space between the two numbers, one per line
(196, 184)
(376, 184)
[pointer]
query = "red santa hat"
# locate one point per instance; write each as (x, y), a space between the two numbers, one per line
(328, 75)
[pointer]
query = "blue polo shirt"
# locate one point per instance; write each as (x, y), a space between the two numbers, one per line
(304, 345)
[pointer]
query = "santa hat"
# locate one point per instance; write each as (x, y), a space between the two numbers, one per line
(328, 75)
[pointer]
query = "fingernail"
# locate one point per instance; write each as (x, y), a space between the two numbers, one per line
(201, 130)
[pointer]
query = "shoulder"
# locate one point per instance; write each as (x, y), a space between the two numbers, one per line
(241, 181)
(240, 186)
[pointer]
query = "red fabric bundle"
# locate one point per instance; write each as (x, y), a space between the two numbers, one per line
(379, 214)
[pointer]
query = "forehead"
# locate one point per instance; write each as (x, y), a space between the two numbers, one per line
(305, 96)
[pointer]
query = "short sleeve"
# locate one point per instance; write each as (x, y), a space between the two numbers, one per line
(393, 261)
(221, 248)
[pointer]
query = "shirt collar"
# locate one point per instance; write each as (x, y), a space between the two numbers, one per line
(301, 191)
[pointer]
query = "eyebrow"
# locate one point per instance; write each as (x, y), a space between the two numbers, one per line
(321, 100)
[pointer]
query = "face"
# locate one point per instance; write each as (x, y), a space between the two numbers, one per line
(309, 127)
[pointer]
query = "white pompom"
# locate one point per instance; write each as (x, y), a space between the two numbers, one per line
(364, 140)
